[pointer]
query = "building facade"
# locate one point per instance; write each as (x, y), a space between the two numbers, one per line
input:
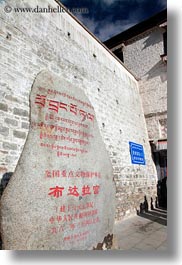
(143, 49)
(31, 42)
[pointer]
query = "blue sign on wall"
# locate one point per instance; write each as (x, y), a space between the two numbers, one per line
(137, 153)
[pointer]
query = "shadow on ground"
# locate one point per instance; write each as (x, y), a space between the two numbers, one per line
(156, 215)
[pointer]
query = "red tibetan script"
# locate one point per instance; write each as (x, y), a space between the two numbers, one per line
(41, 100)
(73, 191)
(54, 105)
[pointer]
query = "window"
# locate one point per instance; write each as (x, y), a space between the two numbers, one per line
(119, 54)
(165, 42)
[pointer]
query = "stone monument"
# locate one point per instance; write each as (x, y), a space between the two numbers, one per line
(61, 195)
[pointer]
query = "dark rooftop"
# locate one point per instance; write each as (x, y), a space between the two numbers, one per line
(143, 26)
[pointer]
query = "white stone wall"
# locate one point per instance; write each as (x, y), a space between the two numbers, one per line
(31, 42)
(142, 57)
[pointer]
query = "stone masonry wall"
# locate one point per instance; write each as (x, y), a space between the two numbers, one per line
(31, 42)
(142, 57)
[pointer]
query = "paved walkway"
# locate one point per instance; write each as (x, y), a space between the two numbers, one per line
(147, 231)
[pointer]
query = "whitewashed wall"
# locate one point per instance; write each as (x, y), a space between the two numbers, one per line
(31, 42)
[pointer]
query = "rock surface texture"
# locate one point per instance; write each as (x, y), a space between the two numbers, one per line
(61, 195)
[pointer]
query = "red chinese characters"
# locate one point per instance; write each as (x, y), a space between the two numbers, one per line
(56, 191)
(86, 190)
(74, 216)
(74, 191)
(52, 174)
(96, 189)
(71, 174)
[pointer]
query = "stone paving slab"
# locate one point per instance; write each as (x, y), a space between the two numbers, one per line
(139, 233)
